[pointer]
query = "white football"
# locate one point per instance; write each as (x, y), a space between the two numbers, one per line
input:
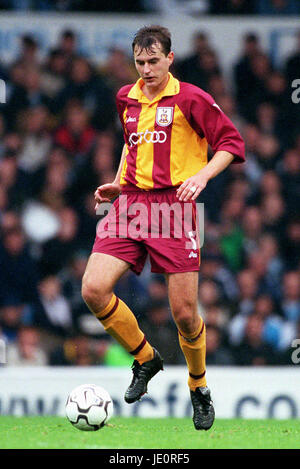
(89, 407)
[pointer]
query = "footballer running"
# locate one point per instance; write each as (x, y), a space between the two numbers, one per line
(167, 126)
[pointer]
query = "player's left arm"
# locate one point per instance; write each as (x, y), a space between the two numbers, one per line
(209, 121)
(216, 165)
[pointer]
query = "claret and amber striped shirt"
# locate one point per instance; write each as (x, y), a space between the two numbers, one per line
(167, 138)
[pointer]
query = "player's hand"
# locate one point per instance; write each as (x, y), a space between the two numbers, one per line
(106, 193)
(191, 188)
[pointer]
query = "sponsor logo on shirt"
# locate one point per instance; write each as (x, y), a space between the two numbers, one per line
(157, 136)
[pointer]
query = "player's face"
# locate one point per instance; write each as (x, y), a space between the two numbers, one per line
(153, 66)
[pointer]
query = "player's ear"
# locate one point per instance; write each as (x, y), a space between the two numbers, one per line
(170, 57)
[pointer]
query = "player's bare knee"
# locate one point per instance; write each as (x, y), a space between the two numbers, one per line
(185, 323)
(95, 294)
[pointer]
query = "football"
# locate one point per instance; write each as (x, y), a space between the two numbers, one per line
(89, 407)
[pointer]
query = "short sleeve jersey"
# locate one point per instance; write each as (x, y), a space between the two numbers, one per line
(167, 138)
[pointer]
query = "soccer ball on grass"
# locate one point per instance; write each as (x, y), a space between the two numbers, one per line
(89, 407)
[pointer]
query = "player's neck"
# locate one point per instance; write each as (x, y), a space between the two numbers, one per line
(152, 92)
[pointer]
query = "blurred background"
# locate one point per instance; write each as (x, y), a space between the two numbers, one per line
(62, 63)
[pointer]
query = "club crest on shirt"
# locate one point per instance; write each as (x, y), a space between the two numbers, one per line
(164, 116)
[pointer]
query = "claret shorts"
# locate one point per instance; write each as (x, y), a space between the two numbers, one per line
(151, 222)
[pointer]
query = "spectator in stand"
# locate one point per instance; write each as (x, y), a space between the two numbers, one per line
(78, 350)
(239, 188)
(12, 316)
(258, 262)
(4, 201)
(27, 350)
(28, 94)
(89, 88)
(268, 152)
(11, 177)
(55, 179)
(248, 290)
(58, 251)
(209, 295)
(36, 141)
(277, 332)
(67, 45)
(56, 315)
(290, 248)
(274, 215)
(217, 316)
(118, 69)
(254, 350)
(269, 246)
(213, 268)
(88, 220)
(191, 69)
(100, 161)
(18, 273)
(277, 90)
(256, 90)
(156, 288)
(29, 51)
(242, 70)
(290, 301)
(216, 352)
(292, 65)
(70, 278)
(267, 118)
(252, 225)
(217, 87)
(270, 183)
(251, 135)
(159, 328)
(231, 240)
(289, 173)
(54, 73)
(132, 291)
(229, 106)
(76, 135)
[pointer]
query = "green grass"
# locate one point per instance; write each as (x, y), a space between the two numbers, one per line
(165, 433)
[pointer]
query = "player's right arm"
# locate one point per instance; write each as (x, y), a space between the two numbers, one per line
(107, 192)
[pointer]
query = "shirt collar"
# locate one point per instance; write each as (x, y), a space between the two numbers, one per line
(171, 88)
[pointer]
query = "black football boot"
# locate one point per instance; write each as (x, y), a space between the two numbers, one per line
(204, 413)
(141, 376)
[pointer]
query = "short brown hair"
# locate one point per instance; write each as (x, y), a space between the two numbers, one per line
(147, 36)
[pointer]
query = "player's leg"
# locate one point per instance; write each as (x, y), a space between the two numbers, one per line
(102, 273)
(183, 297)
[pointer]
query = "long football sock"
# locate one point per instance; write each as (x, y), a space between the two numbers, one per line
(119, 321)
(194, 350)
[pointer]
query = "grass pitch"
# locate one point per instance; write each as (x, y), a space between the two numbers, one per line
(137, 433)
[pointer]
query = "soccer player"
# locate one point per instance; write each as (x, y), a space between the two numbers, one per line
(167, 128)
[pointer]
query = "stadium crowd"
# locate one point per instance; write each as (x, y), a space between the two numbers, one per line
(60, 139)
